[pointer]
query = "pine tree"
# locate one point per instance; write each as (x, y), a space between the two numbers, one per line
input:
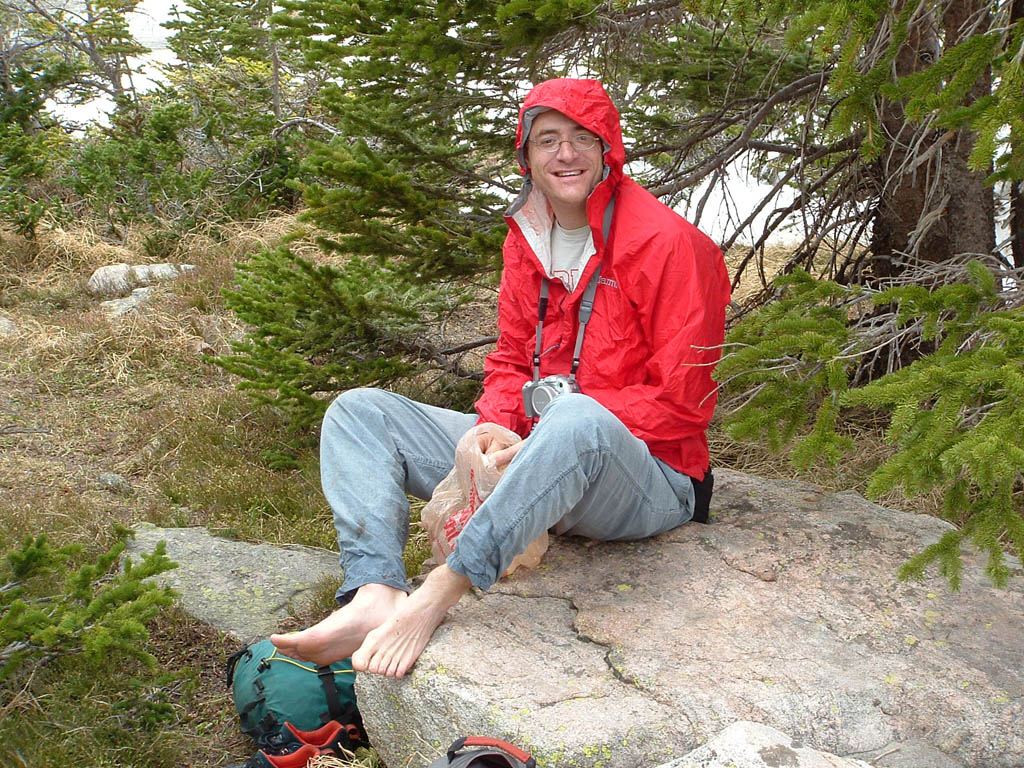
(57, 602)
(956, 412)
(136, 169)
(322, 329)
(75, 51)
(53, 52)
(855, 106)
(890, 122)
(243, 87)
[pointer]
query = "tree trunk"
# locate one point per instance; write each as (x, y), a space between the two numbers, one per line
(903, 193)
(1017, 187)
(1017, 223)
(931, 205)
(971, 213)
(275, 63)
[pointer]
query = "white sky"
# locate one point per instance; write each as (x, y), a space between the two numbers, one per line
(146, 20)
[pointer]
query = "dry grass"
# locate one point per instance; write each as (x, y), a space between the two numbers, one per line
(236, 239)
(361, 759)
(757, 274)
(82, 394)
(74, 382)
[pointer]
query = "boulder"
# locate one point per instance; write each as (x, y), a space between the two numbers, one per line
(111, 280)
(785, 611)
(150, 274)
(7, 327)
(242, 589)
(126, 304)
(119, 279)
(114, 482)
(752, 745)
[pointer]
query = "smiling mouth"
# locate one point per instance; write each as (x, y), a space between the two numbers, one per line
(564, 174)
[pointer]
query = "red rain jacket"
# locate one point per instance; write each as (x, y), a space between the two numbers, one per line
(659, 311)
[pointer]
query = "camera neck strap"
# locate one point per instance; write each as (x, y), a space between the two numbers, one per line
(586, 304)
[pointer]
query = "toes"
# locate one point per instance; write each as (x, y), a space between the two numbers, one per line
(393, 648)
(382, 662)
(361, 661)
(286, 644)
(366, 658)
(400, 669)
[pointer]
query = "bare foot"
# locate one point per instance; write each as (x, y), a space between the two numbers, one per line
(393, 647)
(340, 634)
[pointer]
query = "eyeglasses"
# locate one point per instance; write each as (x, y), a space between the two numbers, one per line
(581, 142)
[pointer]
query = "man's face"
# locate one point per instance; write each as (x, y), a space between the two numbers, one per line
(568, 176)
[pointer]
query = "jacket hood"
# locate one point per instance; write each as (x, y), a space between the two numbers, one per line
(584, 101)
(587, 103)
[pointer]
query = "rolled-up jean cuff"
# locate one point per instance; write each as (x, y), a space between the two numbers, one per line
(348, 590)
(478, 580)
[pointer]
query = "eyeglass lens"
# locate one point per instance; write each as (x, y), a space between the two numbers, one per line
(580, 142)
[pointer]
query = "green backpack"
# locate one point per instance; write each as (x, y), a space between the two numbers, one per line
(270, 689)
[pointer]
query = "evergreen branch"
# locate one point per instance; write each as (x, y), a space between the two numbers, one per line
(12, 429)
(916, 160)
(428, 353)
(12, 650)
(629, 14)
(857, 351)
(718, 160)
(955, 411)
(780, 215)
(972, 417)
(468, 346)
(796, 150)
(791, 365)
(738, 404)
(92, 610)
(294, 121)
(798, 203)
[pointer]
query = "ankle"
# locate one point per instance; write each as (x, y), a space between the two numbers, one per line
(447, 586)
(377, 594)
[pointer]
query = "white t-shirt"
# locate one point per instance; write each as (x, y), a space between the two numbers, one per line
(571, 249)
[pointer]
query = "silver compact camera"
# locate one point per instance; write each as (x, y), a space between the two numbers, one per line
(537, 394)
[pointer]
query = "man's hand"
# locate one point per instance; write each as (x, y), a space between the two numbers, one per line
(486, 443)
(505, 455)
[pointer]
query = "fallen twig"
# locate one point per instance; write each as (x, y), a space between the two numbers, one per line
(14, 429)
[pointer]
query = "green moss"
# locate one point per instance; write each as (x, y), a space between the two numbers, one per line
(214, 463)
(417, 547)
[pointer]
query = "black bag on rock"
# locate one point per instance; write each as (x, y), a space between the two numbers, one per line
(486, 753)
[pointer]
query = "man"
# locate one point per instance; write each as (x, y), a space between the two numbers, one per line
(616, 461)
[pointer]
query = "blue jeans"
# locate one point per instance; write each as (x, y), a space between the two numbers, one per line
(580, 472)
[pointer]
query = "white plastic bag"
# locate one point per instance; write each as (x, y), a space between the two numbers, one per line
(461, 493)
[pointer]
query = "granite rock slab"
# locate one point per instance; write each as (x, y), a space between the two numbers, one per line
(119, 279)
(753, 745)
(242, 589)
(784, 611)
